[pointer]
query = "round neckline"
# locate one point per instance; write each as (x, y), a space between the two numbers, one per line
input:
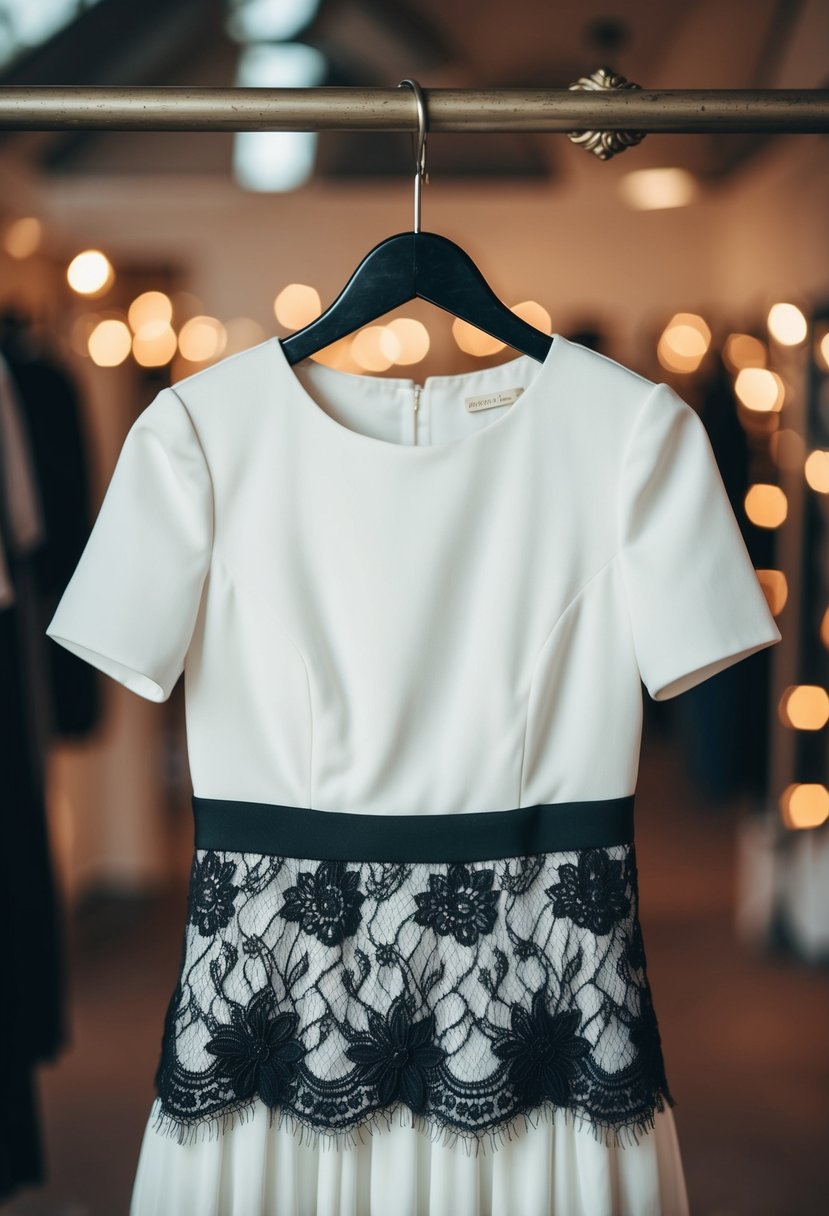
(412, 450)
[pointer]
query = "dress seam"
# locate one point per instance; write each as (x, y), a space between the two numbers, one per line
(206, 463)
(540, 651)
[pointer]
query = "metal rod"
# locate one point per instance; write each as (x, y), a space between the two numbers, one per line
(181, 108)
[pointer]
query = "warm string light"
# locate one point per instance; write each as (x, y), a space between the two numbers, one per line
(743, 350)
(412, 339)
(90, 273)
(148, 334)
(775, 588)
(766, 505)
(242, 333)
(804, 805)
(787, 324)
(109, 343)
(401, 342)
(758, 388)
(148, 308)
(474, 341)
(816, 471)
(684, 342)
(479, 344)
(23, 237)
(657, 189)
(297, 305)
(375, 348)
(155, 344)
(787, 448)
(821, 350)
(201, 339)
(804, 707)
(147, 331)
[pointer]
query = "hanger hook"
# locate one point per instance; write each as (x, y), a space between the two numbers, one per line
(420, 163)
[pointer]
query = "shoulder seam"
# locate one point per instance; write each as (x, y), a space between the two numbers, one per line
(215, 366)
(623, 463)
(615, 363)
(205, 461)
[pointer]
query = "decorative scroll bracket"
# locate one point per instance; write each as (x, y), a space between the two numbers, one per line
(605, 144)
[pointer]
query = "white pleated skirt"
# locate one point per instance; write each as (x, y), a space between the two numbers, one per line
(552, 1169)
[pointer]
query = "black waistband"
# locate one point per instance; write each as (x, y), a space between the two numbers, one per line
(290, 831)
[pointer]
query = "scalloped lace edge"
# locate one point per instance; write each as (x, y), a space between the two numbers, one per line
(618, 1135)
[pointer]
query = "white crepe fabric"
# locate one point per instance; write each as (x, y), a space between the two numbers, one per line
(551, 1168)
(402, 599)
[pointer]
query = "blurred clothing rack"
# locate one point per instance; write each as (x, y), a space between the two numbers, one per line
(181, 108)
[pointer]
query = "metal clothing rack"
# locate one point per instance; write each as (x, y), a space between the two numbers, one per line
(602, 102)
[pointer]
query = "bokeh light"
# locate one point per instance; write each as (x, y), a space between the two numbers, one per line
(742, 350)
(766, 505)
(775, 588)
(242, 333)
(822, 351)
(374, 349)
(816, 470)
(534, 314)
(201, 339)
(804, 805)
(154, 344)
(759, 389)
(413, 338)
(787, 448)
(90, 273)
(804, 707)
(683, 342)
(474, 341)
(297, 305)
(109, 343)
(655, 189)
(149, 307)
(22, 237)
(787, 324)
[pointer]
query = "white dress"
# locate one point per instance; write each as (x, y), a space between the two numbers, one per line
(398, 605)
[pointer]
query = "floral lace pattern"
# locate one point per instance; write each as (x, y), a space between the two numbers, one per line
(475, 995)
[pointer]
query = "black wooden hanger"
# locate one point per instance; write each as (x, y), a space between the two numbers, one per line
(418, 264)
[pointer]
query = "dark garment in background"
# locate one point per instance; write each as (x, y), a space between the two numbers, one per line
(723, 722)
(32, 1006)
(51, 409)
(33, 1002)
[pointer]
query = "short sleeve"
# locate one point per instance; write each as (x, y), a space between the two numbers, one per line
(695, 603)
(131, 604)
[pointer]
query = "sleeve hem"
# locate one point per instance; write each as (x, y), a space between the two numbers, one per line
(665, 689)
(136, 681)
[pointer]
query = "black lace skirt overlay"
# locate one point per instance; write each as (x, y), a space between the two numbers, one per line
(474, 995)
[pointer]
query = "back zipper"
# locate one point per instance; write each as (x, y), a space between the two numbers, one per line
(418, 390)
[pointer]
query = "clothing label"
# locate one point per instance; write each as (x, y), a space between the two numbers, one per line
(504, 396)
